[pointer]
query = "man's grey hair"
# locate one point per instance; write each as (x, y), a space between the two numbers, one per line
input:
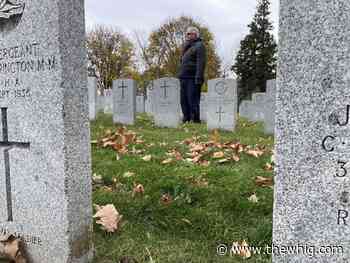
(193, 29)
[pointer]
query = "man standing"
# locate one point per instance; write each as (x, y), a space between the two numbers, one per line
(191, 75)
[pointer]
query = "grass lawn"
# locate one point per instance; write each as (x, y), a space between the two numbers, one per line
(209, 205)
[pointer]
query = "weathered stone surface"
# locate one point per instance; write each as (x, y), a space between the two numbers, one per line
(167, 102)
(124, 98)
(311, 204)
(45, 170)
(222, 104)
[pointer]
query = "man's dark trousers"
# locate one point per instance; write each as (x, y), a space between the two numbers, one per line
(190, 100)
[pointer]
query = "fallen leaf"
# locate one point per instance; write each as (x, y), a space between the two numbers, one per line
(167, 161)
(186, 221)
(138, 189)
(268, 167)
(108, 217)
(273, 158)
(218, 155)
(128, 174)
(106, 189)
(253, 198)
(166, 199)
(12, 249)
(204, 163)
(241, 249)
(147, 158)
(235, 158)
(256, 153)
(264, 181)
(97, 179)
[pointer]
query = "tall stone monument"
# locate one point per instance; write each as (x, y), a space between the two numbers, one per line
(45, 178)
(124, 101)
(312, 183)
(222, 104)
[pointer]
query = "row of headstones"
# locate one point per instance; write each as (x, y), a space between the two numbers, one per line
(219, 105)
(262, 107)
(45, 165)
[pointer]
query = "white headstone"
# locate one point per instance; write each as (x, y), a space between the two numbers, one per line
(167, 102)
(124, 98)
(222, 104)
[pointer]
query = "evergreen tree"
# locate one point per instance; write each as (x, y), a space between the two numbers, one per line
(256, 60)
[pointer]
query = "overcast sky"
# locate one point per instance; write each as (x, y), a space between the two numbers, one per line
(227, 19)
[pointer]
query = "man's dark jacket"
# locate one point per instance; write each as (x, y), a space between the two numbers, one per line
(193, 61)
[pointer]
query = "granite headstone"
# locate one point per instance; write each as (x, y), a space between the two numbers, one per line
(311, 204)
(222, 104)
(167, 102)
(124, 98)
(45, 169)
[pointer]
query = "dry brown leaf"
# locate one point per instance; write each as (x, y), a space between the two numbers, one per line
(97, 179)
(197, 158)
(108, 217)
(204, 163)
(268, 167)
(186, 221)
(128, 174)
(11, 248)
(138, 189)
(253, 198)
(197, 148)
(166, 199)
(264, 181)
(106, 188)
(241, 249)
(167, 161)
(255, 152)
(235, 158)
(147, 158)
(218, 155)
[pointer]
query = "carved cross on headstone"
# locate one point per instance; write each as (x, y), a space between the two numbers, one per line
(164, 87)
(220, 112)
(8, 145)
(123, 87)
